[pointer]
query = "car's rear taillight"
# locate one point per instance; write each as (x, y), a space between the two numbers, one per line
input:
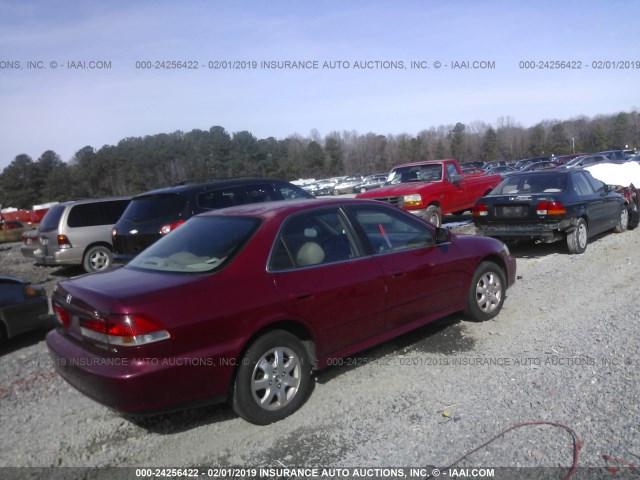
(62, 314)
(550, 207)
(124, 330)
(63, 242)
(480, 210)
(170, 226)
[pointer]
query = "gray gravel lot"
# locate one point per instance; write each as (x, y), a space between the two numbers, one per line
(564, 349)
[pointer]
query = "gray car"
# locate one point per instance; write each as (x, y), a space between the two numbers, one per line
(79, 233)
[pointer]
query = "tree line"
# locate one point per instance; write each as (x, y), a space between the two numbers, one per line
(138, 164)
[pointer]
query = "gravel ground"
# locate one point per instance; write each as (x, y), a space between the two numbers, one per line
(564, 349)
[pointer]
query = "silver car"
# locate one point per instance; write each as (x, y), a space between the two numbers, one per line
(79, 233)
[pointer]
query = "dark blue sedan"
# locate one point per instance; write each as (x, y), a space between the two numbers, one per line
(551, 205)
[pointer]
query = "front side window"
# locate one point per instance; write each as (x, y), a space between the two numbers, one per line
(312, 239)
(203, 244)
(291, 192)
(389, 231)
(221, 198)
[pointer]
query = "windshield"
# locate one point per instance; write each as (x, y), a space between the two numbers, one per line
(522, 184)
(203, 244)
(416, 173)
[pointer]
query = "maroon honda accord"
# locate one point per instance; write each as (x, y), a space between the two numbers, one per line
(244, 303)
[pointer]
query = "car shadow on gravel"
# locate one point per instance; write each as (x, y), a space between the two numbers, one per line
(24, 340)
(446, 336)
(184, 420)
(534, 250)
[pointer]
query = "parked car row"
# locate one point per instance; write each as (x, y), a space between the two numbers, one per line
(94, 232)
(550, 205)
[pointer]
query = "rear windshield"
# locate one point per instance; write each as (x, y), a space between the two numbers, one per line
(51, 219)
(534, 183)
(153, 207)
(203, 244)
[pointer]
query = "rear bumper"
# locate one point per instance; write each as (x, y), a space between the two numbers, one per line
(67, 256)
(547, 232)
(142, 386)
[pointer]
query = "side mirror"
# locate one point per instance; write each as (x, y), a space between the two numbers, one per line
(456, 178)
(442, 235)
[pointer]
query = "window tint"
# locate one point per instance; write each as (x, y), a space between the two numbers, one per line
(112, 210)
(582, 185)
(597, 185)
(387, 230)
(85, 215)
(552, 182)
(261, 193)
(51, 219)
(290, 192)
(311, 239)
(451, 171)
(152, 207)
(221, 198)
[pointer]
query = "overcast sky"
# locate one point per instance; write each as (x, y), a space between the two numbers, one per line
(52, 104)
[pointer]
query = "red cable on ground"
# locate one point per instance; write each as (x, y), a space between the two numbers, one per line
(577, 445)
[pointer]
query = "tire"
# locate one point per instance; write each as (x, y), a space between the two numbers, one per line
(487, 292)
(3, 334)
(97, 258)
(432, 215)
(262, 396)
(623, 221)
(578, 239)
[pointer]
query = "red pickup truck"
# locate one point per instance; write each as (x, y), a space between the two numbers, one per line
(432, 189)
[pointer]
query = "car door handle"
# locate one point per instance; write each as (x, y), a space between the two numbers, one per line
(398, 274)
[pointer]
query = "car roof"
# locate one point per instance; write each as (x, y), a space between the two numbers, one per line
(90, 200)
(204, 184)
(287, 207)
(424, 162)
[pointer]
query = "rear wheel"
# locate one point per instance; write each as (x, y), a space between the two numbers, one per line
(273, 379)
(623, 220)
(432, 214)
(578, 238)
(97, 258)
(487, 292)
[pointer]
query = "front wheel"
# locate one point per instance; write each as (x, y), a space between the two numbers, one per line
(432, 214)
(273, 379)
(97, 258)
(487, 292)
(578, 238)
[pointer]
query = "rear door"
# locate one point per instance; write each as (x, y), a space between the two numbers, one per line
(323, 278)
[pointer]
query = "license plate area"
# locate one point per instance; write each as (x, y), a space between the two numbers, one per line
(512, 211)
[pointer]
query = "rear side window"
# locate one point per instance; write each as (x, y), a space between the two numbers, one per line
(153, 207)
(582, 185)
(99, 213)
(221, 198)
(112, 211)
(51, 219)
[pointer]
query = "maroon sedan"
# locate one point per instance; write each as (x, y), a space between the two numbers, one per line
(244, 303)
